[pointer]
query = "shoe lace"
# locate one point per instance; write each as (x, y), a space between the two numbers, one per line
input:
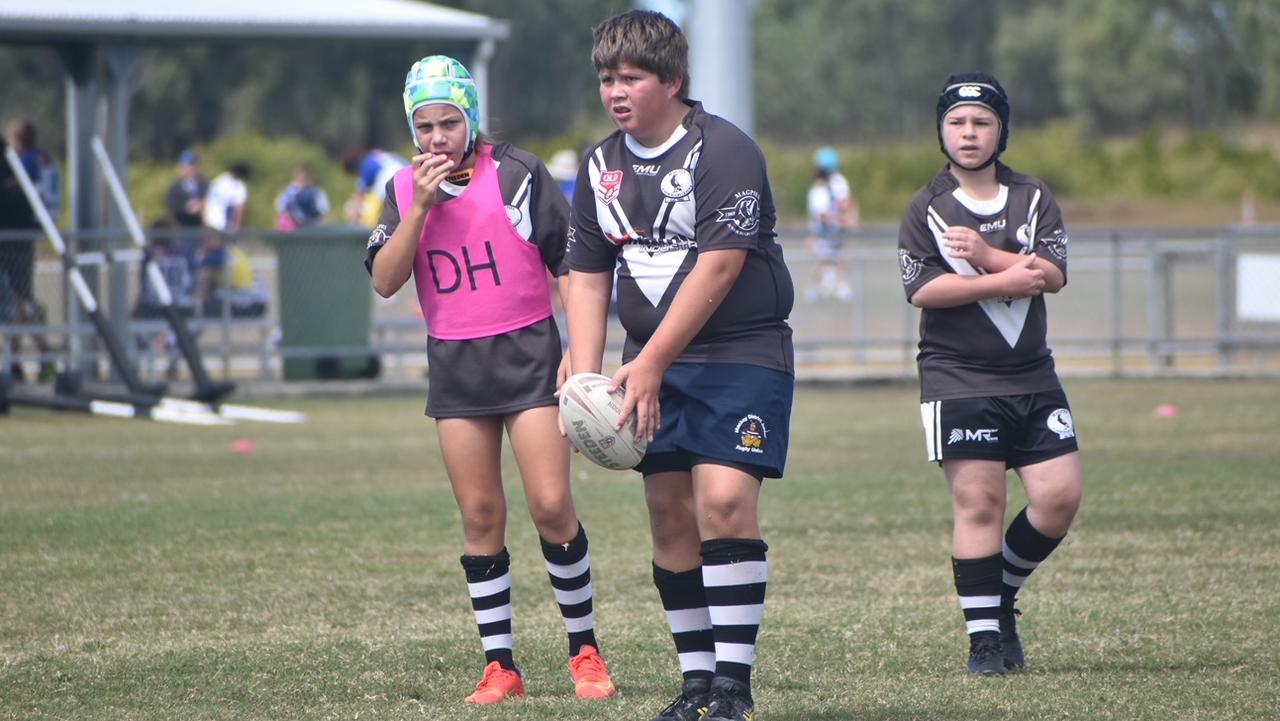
(492, 673)
(728, 704)
(985, 649)
(1009, 620)
(680, 704)
(588, 667)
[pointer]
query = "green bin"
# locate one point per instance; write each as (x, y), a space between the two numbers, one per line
(324, 303)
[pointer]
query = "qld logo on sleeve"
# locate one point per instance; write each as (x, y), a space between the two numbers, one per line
(609, 187)
(743, 217)
(751, 434)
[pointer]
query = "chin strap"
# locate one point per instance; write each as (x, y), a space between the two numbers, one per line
(959, 165)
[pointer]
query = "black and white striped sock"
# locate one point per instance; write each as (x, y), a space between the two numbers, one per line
(489, 585)
(685, 601)
(569, 566)
(978, 585)
(736, 575)
(1024, 550)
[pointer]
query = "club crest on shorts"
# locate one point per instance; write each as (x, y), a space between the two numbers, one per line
(751, 434)
(1060, 422)
(609, 187)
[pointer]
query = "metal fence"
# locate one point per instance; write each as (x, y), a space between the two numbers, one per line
(1139, 301)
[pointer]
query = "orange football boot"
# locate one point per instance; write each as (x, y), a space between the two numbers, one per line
(496, 684)
(590, 677)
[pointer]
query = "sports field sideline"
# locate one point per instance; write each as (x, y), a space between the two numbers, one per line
(149, 572)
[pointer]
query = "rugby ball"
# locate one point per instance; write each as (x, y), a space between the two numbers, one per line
(589, 412)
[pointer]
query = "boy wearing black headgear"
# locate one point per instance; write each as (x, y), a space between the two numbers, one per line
(978, 247)
(981, 90)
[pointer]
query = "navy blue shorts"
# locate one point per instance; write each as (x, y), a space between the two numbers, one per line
(727, 414)
(1019, 430)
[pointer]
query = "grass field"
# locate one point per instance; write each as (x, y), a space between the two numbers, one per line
(147, 572)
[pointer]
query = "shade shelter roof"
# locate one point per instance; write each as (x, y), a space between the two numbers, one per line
(99, 41)
(59, 21)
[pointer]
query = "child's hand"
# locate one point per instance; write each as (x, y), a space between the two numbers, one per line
(1022, 280)
(429, 170)
(965, 243)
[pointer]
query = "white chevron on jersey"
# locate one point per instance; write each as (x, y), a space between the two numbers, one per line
(1008, 316)
(654, 264)
(613, 220)
(653, 272)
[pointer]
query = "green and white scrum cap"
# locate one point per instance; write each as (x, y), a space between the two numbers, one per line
(441, 79)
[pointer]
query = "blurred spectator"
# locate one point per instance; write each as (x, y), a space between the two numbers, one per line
(17, 269)
(564, 169)
(21, 135)
(832, 212)
(301, 203)
(39, 164)
(224, 206)
(185, 199)
(373, 170)
(1248, 208)
(224, 278)
(177, 272)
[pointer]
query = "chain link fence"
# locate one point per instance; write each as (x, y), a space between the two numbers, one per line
(1139, 301)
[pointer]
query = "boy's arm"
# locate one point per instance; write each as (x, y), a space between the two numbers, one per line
(586, 304)
(965, 243)
(949, 290)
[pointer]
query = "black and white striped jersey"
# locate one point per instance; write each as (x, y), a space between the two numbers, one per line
(995, 346)
(648, 212)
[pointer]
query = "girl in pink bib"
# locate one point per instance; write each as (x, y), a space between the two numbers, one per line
(480, 226)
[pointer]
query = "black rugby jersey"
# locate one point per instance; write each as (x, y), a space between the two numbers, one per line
(648, 211)
(995, 346)
(535, 206)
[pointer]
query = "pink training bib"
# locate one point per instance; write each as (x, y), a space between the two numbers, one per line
(476, 277)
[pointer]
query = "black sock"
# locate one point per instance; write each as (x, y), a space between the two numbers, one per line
(978, 585)
(685, 601)
(735, 572)
(489, 585)
(1024, 549)
(569, 566)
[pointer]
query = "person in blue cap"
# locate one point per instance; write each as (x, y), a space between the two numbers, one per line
(832, 212)
(185, 197)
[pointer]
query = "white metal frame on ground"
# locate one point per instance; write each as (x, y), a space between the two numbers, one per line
(137, 403)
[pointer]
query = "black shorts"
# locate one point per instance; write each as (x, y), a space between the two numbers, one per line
(1019, 430)
(494, 376)
(728, 414)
